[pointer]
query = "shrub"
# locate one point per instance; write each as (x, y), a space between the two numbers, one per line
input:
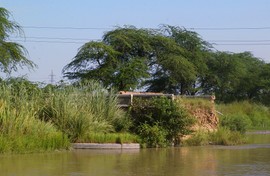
(237, 122)
(257, 115)
(151, 116)
(153, 136)
(224, 136)
(197, 139)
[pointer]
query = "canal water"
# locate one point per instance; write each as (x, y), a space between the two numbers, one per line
(250, 160)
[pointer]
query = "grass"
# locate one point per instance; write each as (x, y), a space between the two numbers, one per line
(195, 103)
(78, 111)
(20, 130)
(34, 119)
(111, 138)
(256, 116)
(222, 136)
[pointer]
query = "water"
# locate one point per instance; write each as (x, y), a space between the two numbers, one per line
(249, 160)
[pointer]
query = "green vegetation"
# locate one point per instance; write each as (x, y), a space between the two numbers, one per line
(195, 103)
(20, 130)
(159, 121)
(12, 55)
(242, 116)
(81, 109)
(111, 138)
(41, 119)
(171, 60)
(222, 136)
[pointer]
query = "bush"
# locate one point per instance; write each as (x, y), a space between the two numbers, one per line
(153, 136)
(197, 139)
(224, 136)
(160, 118)
(236, 122)
(258, 116)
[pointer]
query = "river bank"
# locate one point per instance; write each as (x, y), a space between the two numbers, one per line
(249, 159)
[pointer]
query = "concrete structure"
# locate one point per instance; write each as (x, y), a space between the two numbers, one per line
(105, 146)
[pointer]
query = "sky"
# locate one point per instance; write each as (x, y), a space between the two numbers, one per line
(54, 30)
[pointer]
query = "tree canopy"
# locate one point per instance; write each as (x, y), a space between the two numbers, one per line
(12, 55)
(170, 60)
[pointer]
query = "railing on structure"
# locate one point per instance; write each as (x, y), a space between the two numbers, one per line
(126, 100)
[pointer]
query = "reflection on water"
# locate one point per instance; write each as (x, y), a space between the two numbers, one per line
(208, 160)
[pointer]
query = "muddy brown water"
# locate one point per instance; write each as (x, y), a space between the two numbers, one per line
(251, 159)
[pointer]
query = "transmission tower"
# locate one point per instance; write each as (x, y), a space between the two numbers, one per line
(52, 77)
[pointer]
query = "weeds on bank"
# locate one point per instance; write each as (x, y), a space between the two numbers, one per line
(39, 119)
(256, 117)
(20, 131)
(222, 136)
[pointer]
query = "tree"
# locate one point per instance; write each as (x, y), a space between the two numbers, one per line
(128, 58)
(234, 76)
(12, 55)
(119, 61)
(182, 59)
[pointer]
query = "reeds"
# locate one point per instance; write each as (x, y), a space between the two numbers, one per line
(82, 109)
(20, 131)
(39, 119)
(257, 115)
(222, 136)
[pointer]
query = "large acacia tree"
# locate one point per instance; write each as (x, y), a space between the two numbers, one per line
(12, 55)
(128, 58)
(120, 60)
(170, 60)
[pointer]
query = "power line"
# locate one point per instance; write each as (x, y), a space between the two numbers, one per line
(55, 38)
(240, 41)
(89, 39)
(242, 44)
(110, 28)
(44, 41)
(74, 42)
(67, 28)
(230, 28)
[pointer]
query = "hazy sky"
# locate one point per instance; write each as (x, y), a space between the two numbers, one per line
(52, 49)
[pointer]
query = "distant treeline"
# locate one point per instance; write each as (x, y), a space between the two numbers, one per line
(170, 60)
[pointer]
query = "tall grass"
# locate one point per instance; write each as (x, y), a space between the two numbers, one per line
(80, 110)
(257, 117)
(222, 136)
(20, 131)
(195, 103)
(39, 119)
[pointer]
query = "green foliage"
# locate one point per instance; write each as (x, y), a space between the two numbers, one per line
(236, 76)
(236, 122)
(153, 136)
(252, 115)
(20, 131)
(171, 60)
(12, 54)
(160, 117)
(224, 136)
(197, 139)
(128, 58)
(84, 109)
(36, 119)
